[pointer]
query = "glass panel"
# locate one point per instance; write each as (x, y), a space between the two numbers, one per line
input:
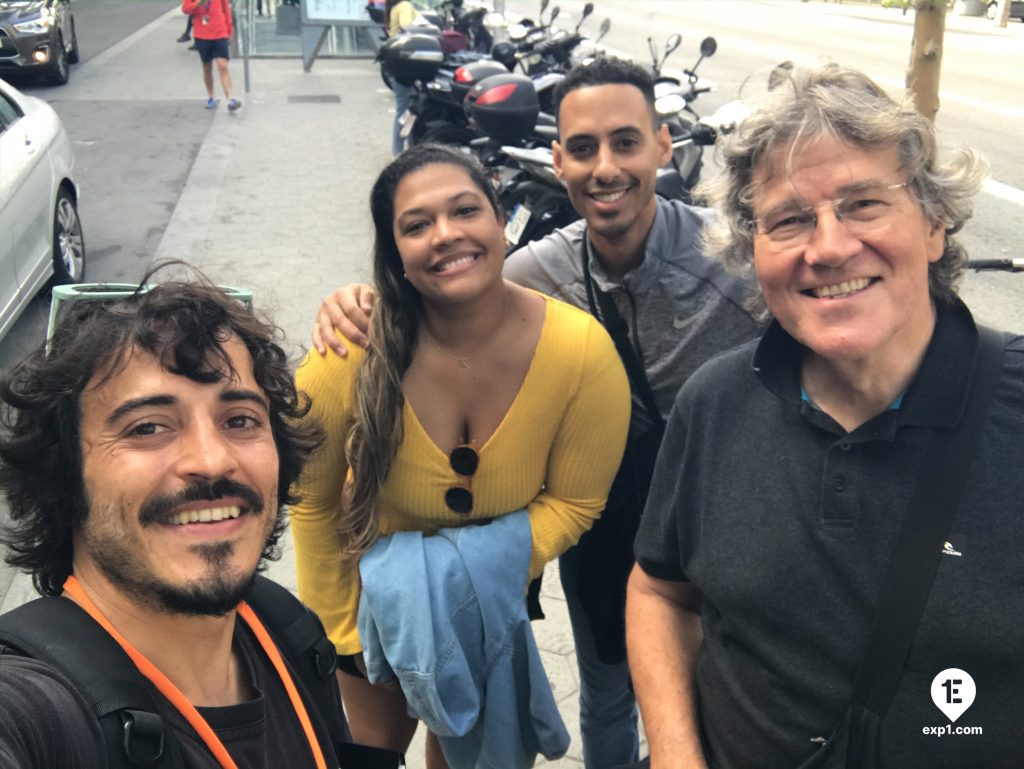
(273, 28)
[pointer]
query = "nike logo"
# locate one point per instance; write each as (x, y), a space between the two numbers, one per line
(680, 323)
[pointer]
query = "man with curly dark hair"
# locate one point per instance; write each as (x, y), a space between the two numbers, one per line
(147, 455)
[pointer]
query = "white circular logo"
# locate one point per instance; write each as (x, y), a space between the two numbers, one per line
(953, 692)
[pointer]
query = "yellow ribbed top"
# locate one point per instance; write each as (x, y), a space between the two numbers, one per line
(555, 453)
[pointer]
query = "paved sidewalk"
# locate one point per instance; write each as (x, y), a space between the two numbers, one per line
(277, 200)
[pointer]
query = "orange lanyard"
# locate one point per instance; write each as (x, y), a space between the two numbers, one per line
(176, 698)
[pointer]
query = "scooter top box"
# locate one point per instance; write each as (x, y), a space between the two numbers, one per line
(469, 75)
(504, 107)
(407, 58)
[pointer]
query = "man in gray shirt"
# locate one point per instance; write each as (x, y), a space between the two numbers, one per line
(680, 309)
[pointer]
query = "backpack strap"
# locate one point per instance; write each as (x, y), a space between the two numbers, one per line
(619, 332)
(58, 632)
(301, 638)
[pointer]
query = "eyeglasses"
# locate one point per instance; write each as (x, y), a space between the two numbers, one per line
(110, 292)
(866, 209)
(464, 461)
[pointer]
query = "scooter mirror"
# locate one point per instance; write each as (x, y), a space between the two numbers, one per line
(587, 10)
(543, 6)
(780, 73)
(554, 15)
(708, 46)
(605, 26)
(672, 43)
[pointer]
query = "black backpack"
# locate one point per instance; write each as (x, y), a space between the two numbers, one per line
(58, 632)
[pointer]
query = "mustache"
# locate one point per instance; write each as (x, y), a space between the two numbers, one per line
(160, 508)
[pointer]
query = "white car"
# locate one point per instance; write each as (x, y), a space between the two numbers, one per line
(40, 232)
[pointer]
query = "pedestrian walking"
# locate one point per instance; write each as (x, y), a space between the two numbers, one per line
(398, 15)
(212, 27)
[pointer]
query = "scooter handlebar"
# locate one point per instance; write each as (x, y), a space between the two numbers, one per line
(1010, 265)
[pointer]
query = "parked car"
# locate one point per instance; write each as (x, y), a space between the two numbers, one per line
(38, 36)
(1016, 9)
(40, 232)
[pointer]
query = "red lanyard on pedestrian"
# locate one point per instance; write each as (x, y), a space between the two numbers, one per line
(180, 701)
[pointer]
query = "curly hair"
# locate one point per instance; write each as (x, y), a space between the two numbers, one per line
(182, 324)
(377, 432)
(840, 102)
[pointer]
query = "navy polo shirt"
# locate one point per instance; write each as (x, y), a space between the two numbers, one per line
(786, 524)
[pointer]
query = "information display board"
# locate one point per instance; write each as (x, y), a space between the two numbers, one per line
(347, 12)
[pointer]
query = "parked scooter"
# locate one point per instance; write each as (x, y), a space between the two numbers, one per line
(437, 112)
(505, 109)
(674, 96)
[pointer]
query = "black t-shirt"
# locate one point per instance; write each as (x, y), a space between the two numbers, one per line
(45, 722)
(786, 524)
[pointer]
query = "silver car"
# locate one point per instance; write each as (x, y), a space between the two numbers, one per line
(40, 232)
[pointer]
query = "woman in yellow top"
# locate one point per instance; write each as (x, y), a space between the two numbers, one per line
(476, 398)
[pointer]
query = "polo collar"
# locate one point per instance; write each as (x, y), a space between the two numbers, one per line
(937, 396)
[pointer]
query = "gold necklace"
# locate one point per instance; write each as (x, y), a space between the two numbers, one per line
(464, 360)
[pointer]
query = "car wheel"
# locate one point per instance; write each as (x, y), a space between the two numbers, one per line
(68, 241)
(59, 72)
(73, 55)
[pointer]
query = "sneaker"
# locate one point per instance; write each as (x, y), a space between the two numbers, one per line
(184, 38)
(234, 104)
(212, 103)
(192, 47)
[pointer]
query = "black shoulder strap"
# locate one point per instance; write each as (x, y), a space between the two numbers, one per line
(929, 520)
(301, 638)
(58, 632)
(619, 332)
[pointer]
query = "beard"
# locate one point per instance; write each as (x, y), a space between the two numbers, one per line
(219, 585)
(211, 596)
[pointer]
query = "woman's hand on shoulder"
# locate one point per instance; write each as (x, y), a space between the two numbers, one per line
(348, 310)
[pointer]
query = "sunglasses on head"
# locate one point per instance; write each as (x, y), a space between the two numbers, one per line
(112, 292)
(464, 461)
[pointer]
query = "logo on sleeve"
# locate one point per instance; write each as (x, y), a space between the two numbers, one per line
(948, 549)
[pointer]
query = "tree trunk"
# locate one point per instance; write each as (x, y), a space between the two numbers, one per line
(926, 56)
(1003, 12)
